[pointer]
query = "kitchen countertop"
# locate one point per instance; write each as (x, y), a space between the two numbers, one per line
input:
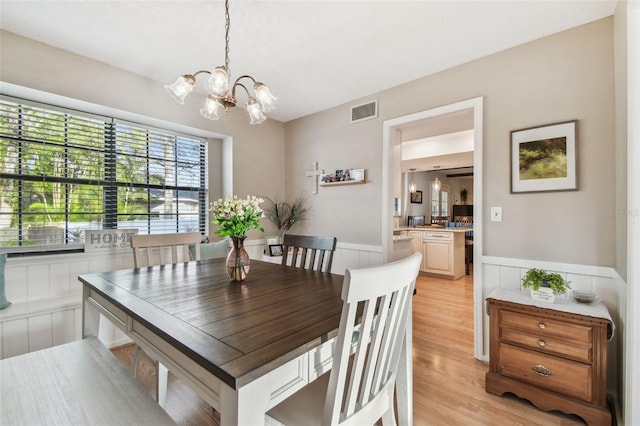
(433, 228)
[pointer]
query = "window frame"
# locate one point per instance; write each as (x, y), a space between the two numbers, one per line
(109, 181)
(443, 188)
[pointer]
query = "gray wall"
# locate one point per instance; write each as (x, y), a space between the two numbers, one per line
(562, 77)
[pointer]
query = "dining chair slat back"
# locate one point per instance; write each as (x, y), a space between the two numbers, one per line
(308, 252)
(161, 249)
(362, 380)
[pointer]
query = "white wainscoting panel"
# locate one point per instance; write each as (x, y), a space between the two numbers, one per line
(40, 332)
(15, 337)
(46, 299)
(63, 328)
(355, 256)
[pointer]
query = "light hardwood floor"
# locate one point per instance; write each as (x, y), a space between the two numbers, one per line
(448, 380)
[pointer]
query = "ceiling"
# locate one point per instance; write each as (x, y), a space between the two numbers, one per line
(313, 54)
(435, 131)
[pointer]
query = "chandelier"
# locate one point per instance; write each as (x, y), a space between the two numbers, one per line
(220, 94)
(436, 184)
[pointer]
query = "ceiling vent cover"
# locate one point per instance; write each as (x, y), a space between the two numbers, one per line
(364, 111)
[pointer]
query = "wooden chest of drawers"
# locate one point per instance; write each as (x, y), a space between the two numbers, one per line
(555, 359)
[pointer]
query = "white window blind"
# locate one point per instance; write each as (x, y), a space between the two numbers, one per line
(63, 172)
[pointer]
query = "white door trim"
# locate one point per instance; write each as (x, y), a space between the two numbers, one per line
(631, 369)
(391, 167)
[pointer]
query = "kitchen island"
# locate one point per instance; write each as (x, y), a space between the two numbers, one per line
(443, 249)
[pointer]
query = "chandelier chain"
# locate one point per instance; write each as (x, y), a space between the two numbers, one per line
(227, 26)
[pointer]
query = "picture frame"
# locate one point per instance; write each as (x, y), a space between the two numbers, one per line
(268, 240)
(543, 158)
(416, 197)
(275, 250)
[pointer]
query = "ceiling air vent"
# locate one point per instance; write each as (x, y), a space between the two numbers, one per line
(364, 111)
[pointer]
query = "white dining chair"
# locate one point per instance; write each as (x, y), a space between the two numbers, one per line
(359, 388)
(162, 249)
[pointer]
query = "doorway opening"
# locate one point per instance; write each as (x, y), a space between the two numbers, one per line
(392, 189)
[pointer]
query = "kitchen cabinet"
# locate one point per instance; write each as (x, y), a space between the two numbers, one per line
(443, 253)
(416, 241)
(442, 249)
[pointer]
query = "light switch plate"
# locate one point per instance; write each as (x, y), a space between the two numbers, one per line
(496, 214)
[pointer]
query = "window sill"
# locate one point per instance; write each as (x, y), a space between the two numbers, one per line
(41, 251)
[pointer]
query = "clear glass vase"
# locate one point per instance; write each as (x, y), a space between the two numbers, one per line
(281, 233)
(238, 260)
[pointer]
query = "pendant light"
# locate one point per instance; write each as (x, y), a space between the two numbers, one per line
(412, 185)
(436, 184)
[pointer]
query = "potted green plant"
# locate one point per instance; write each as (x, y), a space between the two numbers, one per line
(544, 285)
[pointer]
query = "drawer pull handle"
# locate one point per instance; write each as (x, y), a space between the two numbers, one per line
(542, 343)
(542, 325)
(541, 370)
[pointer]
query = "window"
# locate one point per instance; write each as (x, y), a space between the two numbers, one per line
(63, 172)
(440, 201)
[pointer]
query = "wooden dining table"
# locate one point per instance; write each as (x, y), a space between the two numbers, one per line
(242, 346)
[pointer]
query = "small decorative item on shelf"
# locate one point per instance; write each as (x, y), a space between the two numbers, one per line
(544, 285)
(343, 176)
(235, 217)
(284, 215)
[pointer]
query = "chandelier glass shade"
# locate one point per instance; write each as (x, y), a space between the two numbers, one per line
(221, 93)
(412, 184)
(436, 184)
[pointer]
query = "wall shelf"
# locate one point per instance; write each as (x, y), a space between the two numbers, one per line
(346, 182)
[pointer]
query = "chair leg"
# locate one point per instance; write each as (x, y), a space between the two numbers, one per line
(162, 377)
(162, 384)
(135, 361)
(389, 417)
